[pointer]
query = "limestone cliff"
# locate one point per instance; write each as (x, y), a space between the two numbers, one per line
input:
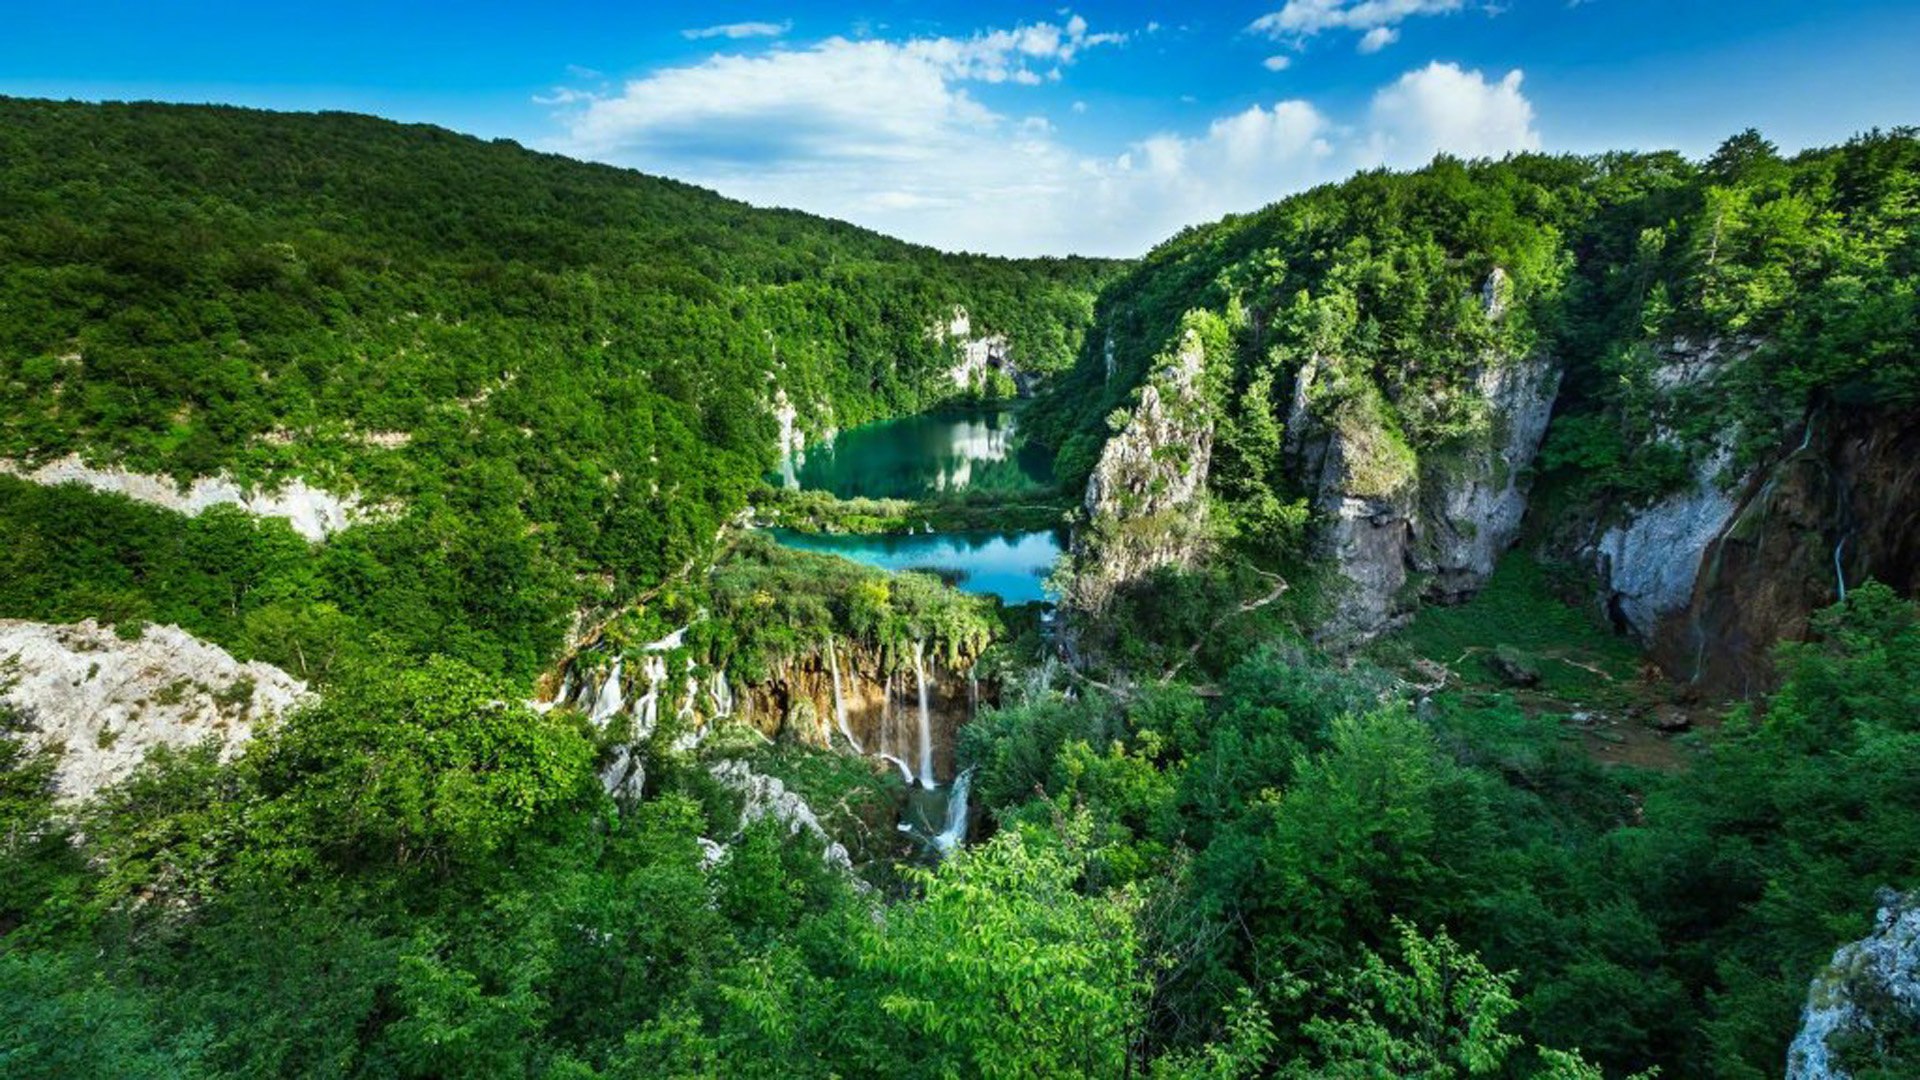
(1647, 558)
(1397, 526)
(1711, 576)
(1145, 504)
(978, 360)
(843, 695)
(104, 701)
(1864, 1008)
(312, 512)
(1839, 506)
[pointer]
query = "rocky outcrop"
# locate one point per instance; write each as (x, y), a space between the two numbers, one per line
(104, 701)
(1647, 563)
(1397, 526)
(1835, 506)
(1867, 1001)
(1145, 504)
(1711, 576)
(978, 359)
(312, 512)
(764, 797)
(847, 696)
(1648, 560)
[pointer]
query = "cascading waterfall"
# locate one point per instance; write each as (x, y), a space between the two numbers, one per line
(646, 711)
(608, 701)
(955, 830)
(839, 700)
(906, 771)
(926, 723)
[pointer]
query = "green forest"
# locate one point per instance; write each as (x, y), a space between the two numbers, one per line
(1214, 848)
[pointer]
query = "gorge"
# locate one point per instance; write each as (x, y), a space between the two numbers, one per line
(465, 611)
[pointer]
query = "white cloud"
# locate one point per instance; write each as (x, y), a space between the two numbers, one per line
(1301, 19)
(1378, 38)
(736, 31)
(1277, 62)
(1442, 107)
(565, 95)
(891, 135)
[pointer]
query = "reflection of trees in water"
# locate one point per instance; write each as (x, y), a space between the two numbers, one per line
(920, 455)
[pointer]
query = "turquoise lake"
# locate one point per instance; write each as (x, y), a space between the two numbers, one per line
(932, 454)
(1012, 566)
(916, 457)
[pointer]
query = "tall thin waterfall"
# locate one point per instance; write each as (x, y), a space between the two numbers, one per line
(906, 771)
(926, 724)
(839, 701)
(956, 827)
(608, 701)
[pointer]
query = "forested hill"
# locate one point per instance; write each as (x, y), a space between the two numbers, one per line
(1708, 366)
(563, 375)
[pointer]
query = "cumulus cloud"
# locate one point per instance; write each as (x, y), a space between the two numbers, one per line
(1277, 62)
(1378, 38)
(1442, 107)
(736, 31)
(894, 135)
(1301, 19)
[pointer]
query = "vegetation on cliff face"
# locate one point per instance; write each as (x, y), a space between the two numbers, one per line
(564, 374)
(1396, 288)
(1244, 859)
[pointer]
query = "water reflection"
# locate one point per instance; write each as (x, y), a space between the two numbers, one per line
(1012, 566)
(919, 456)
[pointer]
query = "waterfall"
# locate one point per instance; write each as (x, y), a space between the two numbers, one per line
(926, 724)
(840, 702)
(608, 701)
(646, 711)
(906, 773)
(1839, 572)
(956, 828)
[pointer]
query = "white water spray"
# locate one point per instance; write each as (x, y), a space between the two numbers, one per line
(906, 773)
(608, 701)
(839, 700)
(926, 724)
(955, 831)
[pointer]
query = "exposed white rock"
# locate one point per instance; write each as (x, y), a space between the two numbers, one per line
(312, 512)
(106, 701)
(1145, 505)
(1471, 508)
(1384, 514)
(1649, 561)
(976, 359)
(767, 797)
(1871, 986)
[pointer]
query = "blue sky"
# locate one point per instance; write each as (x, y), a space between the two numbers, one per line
(1008, 127)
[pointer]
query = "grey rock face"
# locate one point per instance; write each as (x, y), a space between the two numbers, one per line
(105, 702)
(766, 797)
(1384, 516)
(1471, 507)
(1869, 991)
(1145, 505)
(1647, 562)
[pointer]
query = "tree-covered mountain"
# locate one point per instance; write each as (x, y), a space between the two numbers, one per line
(562, 378)
(1402, 716)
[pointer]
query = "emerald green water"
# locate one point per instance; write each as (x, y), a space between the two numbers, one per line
(917, 457)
